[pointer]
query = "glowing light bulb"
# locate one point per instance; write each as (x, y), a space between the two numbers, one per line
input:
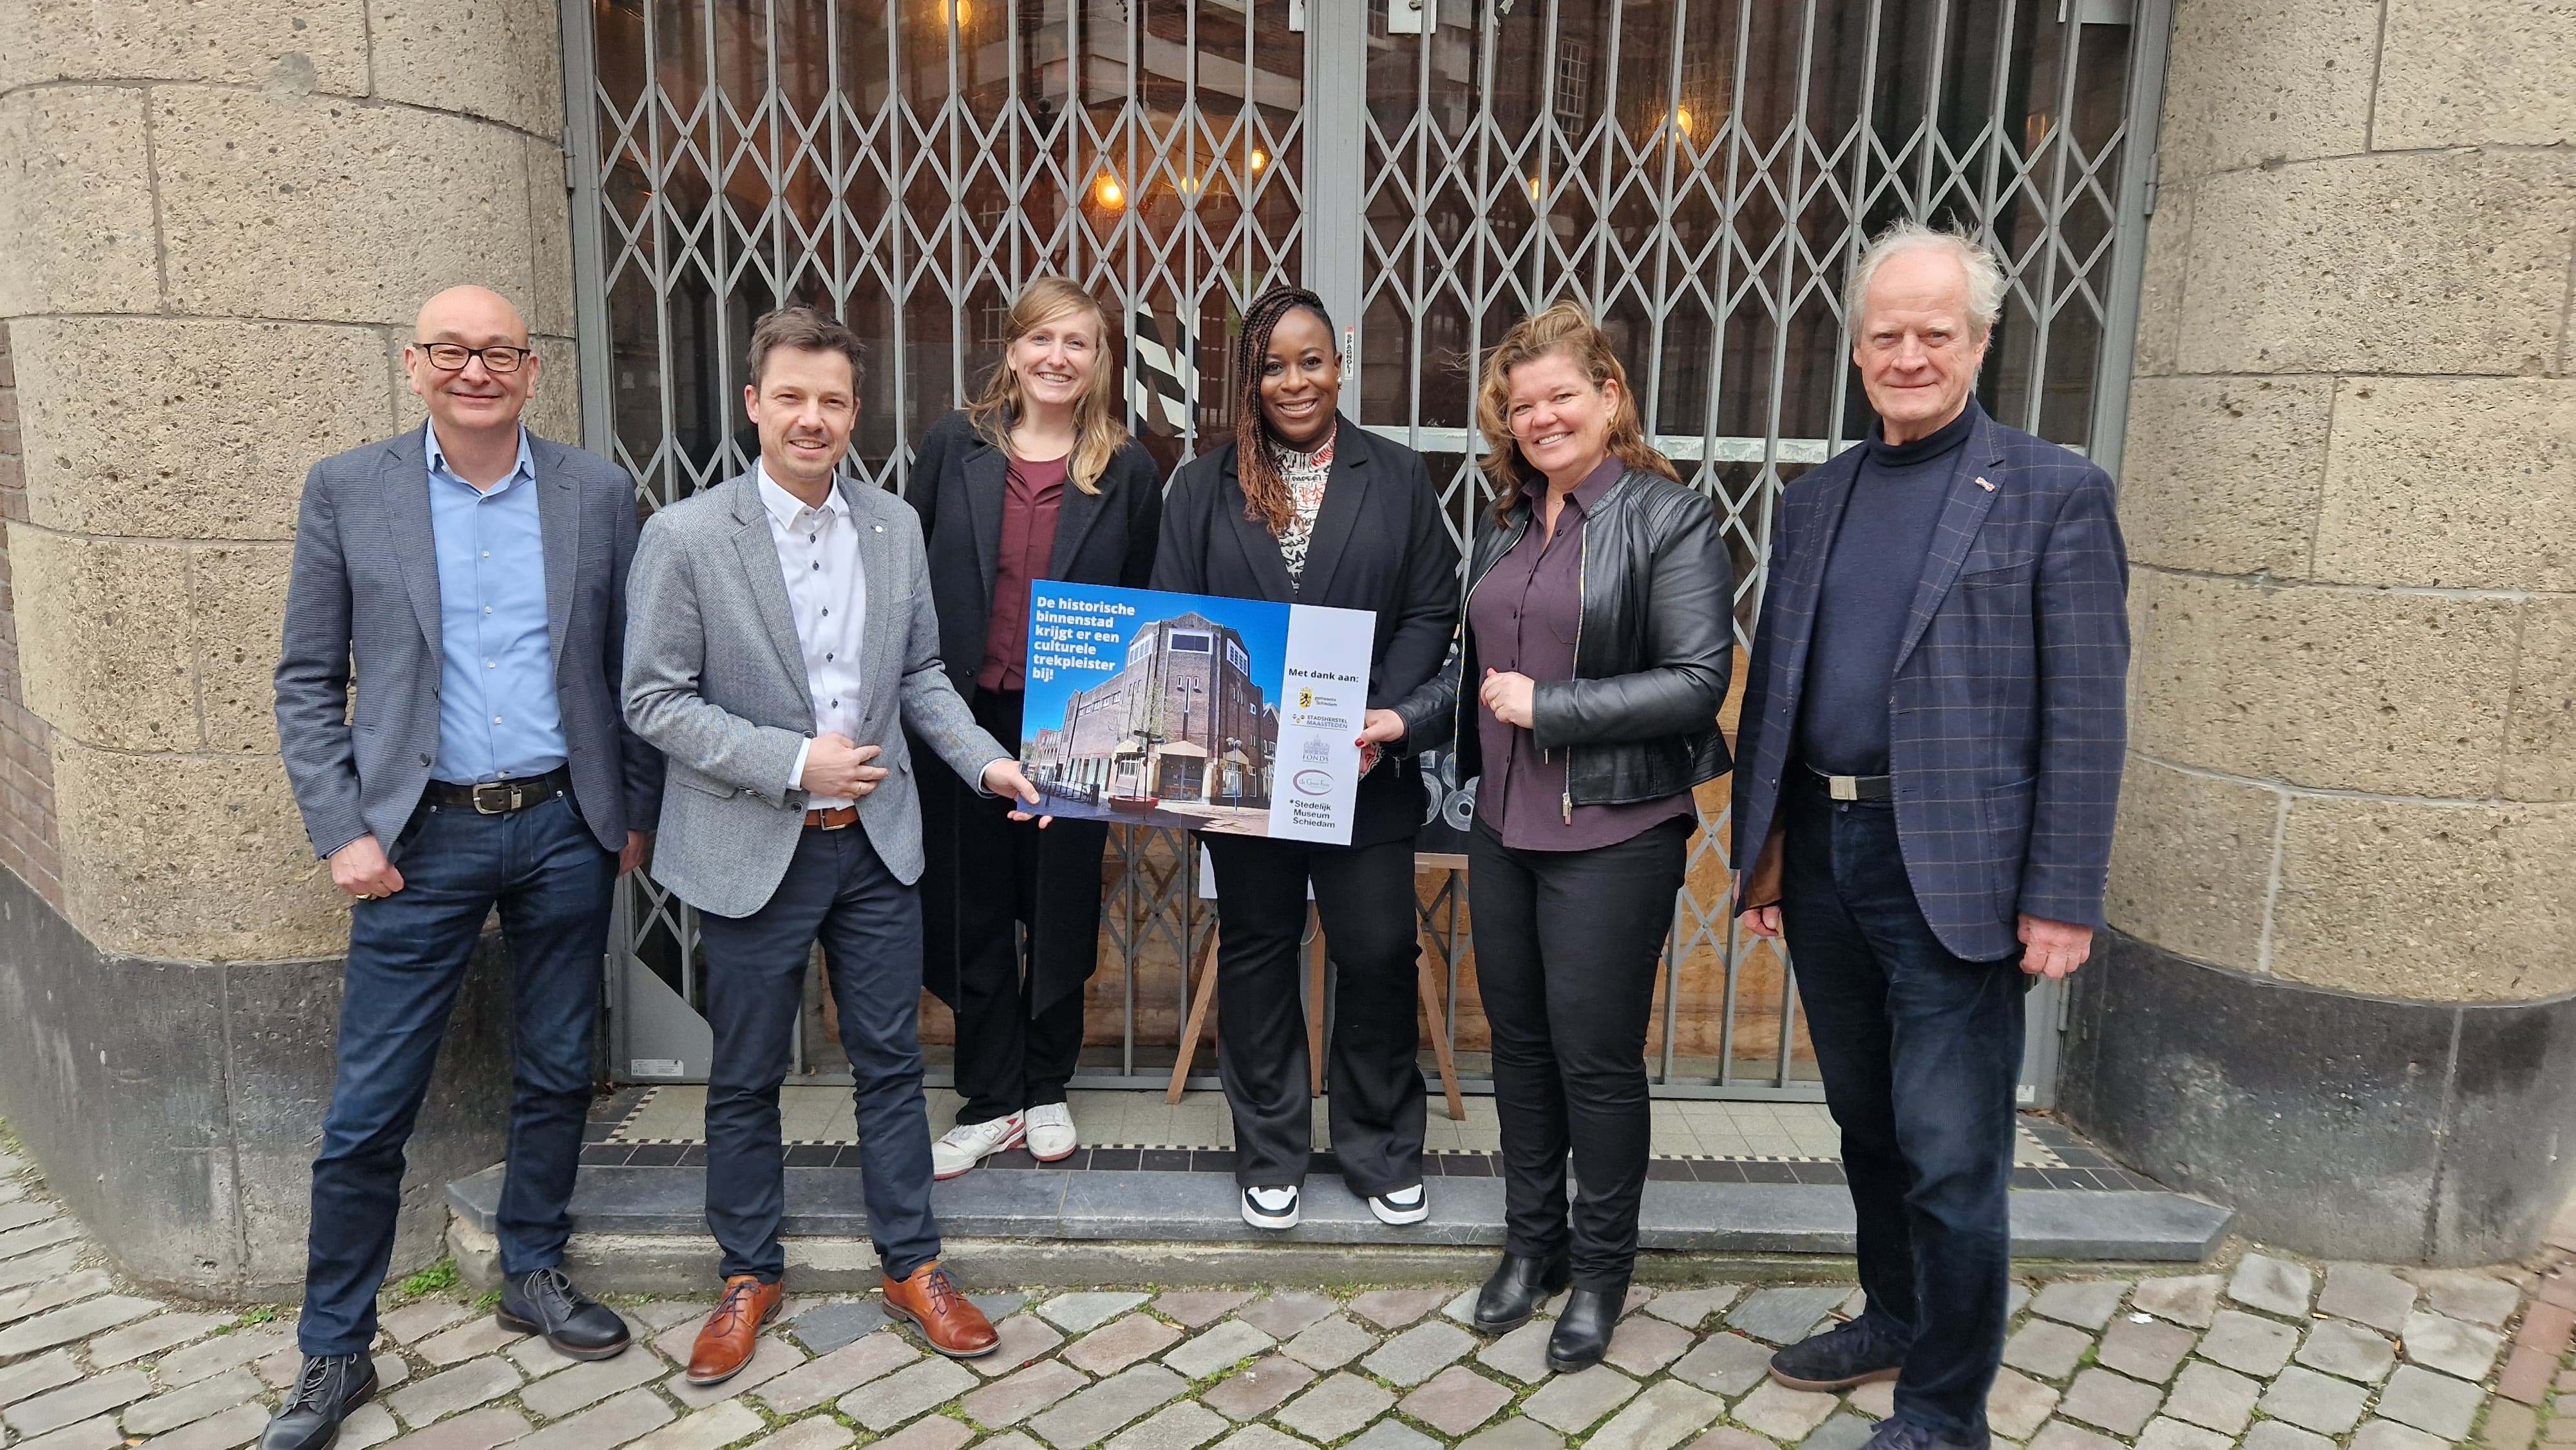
(1259, 158)
(1108, 192)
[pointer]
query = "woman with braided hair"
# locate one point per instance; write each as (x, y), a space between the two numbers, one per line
(1302, 506)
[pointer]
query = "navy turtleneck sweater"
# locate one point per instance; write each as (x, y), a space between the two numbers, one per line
(1879, 550)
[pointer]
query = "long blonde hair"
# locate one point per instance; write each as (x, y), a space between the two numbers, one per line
(1097, 432)
(1565, 329)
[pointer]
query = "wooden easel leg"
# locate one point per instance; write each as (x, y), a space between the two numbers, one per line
(1433, 1009)
(1199, 1000)
(1316, 1006)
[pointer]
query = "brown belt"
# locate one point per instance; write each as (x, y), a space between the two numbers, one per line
(500, 798)
(837, 818)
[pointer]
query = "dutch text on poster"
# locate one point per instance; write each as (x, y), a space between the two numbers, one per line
(1232, 715)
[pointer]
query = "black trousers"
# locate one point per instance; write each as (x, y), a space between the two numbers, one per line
(1920, 1050)
(1364, 895)
(836, 891)
(1012, 1053)
(1567, 945)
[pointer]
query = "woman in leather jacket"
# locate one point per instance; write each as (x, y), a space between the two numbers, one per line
(1597, 627)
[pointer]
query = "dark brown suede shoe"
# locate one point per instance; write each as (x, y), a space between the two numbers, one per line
(732, 1333)
(954, 1327)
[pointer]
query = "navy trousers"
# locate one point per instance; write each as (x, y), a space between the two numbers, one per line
(838, 892)
(407, 958)
(1920, 1051)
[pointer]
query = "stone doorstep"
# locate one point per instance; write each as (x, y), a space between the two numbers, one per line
(642, 1230)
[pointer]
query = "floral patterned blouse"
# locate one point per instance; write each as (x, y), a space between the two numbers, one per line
(1305, 474)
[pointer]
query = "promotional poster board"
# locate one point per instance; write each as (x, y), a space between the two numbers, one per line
(1237, 716)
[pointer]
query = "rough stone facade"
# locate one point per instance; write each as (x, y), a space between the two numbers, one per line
(28, 845)
(2347, 924)
(2349, 489)
(219, 221)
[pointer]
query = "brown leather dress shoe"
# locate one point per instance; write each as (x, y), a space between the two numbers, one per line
(954, 1327)
(732, 1333)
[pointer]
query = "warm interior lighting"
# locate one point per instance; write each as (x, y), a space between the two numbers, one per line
(1108, 192)
(1259, 159)
(1681, 114)
(962, 13)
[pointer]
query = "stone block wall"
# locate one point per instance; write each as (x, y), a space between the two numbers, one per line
(28, 845)
(219, 222)
(2350, 496)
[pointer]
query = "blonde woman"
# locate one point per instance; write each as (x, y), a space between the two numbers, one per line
(1036, 479)
(1583, 694)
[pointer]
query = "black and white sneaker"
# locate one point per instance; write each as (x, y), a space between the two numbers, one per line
(1272, 1208)
(1401, 1206)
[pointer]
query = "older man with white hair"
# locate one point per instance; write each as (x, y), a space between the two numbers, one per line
(1930, 759)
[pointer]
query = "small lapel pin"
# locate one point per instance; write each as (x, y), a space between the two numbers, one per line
(881, 527)
(1981, 483)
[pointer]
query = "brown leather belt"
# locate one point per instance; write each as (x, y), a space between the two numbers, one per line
(501, 797)
(837, 818)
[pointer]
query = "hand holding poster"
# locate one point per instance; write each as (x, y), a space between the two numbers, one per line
(1232, 715)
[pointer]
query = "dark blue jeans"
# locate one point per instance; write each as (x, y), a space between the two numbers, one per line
(838, 892)
(1920, 1051)
(407, 959)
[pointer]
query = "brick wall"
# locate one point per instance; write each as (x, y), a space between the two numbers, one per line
(28, 844)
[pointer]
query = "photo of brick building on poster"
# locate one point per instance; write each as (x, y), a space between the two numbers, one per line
(1210, 714)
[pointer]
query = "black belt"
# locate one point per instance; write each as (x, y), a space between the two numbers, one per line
(500, 797)
(1855, 787)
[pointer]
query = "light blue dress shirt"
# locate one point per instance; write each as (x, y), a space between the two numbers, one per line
(497, 717)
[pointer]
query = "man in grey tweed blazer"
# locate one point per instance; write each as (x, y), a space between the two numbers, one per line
(471, 578)
(1930, 761)
(784, 642)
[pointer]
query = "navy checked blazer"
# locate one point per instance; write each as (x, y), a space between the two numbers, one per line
(2008, 718)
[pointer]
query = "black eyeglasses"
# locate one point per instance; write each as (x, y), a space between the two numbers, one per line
(451, 357)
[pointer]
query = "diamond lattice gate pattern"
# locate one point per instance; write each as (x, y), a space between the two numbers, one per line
(1699, 171)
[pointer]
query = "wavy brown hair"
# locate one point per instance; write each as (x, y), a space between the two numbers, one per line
(1097, 432)
(1564, 330)
(1256, 462)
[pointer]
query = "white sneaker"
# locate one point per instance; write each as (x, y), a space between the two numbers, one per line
(1401, 1206)
(1051, 1135)
(1274, 1208)
(967, 1144)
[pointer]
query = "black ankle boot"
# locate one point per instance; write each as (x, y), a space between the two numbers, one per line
(1520, 1283)
(1583, 1331)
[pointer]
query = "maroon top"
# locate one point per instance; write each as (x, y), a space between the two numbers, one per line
(1526, 611)
(1030, 503)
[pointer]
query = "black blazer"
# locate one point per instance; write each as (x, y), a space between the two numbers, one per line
(958, 484)
(1379, 544)
(958, 481)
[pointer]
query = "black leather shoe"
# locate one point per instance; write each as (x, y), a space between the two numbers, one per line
(1520, 1283)
(1583, 1331)
(1896, 1434)
(543, 1301)
(1841, 1358)
(331, 1386)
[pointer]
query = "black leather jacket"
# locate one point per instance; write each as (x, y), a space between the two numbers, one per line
(1652, 651)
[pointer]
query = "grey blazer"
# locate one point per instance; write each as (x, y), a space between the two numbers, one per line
(715, 678)
(364, 592)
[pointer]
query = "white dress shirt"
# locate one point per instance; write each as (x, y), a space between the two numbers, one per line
(818, 555)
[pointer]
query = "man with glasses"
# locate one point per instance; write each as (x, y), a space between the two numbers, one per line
(474, 577)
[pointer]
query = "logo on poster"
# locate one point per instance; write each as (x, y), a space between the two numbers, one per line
(1312, 783)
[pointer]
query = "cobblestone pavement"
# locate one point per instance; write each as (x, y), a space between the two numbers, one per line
(2268, 1353)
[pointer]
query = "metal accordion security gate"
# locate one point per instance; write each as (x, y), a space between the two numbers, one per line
(1700, 172)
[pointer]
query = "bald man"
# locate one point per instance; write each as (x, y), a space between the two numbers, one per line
(475, 578)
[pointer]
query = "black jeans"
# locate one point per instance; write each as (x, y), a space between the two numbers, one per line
(1012, 1054)
(1567, 944)
(1364, 895)
(836, 891)
(407, 958)
(1920, 1051)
